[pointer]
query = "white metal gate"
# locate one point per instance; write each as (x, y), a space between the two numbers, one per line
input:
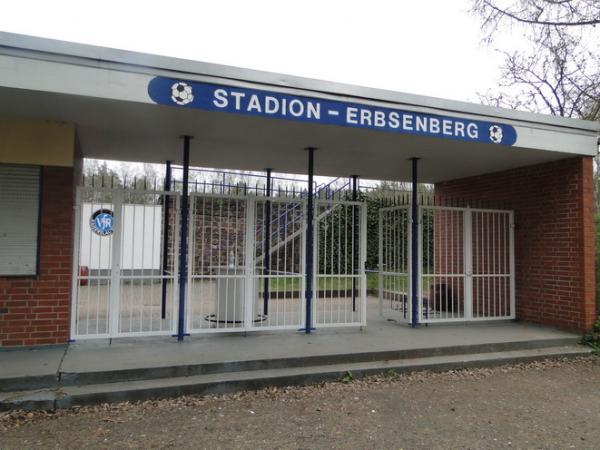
(466, 262)
(238, 279)
(124, 276)
(246, 263)
(279, 259)
(394, 263)
(340, 257)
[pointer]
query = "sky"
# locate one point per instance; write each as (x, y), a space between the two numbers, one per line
(427, 47)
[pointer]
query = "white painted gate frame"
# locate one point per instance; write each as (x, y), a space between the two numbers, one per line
(362, 261)
(467, 214)
(249, 264)
(115, 270)
(383, 273)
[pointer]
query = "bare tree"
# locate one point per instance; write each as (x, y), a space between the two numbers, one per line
(559, 72)
(560, 77)
(539, 13)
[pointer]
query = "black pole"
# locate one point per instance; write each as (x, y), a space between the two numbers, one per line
(414, 247)
(355, 238)
(165, 249)
(309, 240)
(267, 259)
(184, 238)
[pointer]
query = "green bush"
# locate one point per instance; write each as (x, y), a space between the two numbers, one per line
(593, 338)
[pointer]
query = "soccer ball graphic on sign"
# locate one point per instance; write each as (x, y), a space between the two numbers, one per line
(496, 134)
(181, 93)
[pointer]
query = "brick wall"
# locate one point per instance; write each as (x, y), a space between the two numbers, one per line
(554, 236)
(36, 309)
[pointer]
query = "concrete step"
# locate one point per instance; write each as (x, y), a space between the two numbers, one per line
(223, 382)
(64, 378)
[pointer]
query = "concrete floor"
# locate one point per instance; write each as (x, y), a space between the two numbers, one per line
(379, 335)
(140, 308)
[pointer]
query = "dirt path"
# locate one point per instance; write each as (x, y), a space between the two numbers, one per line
(552, 404)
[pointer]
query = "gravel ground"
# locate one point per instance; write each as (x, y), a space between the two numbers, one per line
(552, 404)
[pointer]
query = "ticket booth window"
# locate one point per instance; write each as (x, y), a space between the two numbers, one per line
(19, 219)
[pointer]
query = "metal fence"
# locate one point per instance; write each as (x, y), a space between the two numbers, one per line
(125, 265)
(340, 255)
(394, 255)
(465, 261)
(246, 263)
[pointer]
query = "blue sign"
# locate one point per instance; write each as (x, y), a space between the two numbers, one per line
(102, 222)
(254, 102)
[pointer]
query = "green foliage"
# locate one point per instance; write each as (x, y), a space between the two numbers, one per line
(592, 339)
(348, 377)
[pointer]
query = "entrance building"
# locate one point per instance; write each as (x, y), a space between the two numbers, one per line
(510, 234)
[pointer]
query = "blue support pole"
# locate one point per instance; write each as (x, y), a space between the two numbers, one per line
(309, 240)
(267, 259)
(355, 239)
(165, 249)
(414, 247)
(184, 238)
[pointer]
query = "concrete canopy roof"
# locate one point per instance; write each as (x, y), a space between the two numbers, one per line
(105, 93)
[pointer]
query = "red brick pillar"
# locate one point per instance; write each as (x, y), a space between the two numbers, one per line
(588, 243)
(554, 236)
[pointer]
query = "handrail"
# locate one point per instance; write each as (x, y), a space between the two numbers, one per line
(292, 236)
(320, 188)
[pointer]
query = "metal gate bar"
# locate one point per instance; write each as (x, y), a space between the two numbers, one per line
(219, 263)
(340, 244)
(468, 264)
(124, 270)
(493, 264)
(141, 273)
(443, 295)
(394, 259)
(279, 262)
(466, 258)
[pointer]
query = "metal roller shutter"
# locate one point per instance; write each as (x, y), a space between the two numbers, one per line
(19, 217)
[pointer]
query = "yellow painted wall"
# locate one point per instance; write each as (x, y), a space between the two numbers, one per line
(37, 142)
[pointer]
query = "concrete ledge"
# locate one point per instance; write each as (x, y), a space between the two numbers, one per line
(186, 370)
(69, 396)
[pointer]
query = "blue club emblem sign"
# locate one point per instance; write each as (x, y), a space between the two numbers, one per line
(101, 222)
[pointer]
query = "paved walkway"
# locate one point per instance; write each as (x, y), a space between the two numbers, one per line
(380, 335)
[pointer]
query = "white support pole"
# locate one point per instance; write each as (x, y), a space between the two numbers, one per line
(303, 267)
(189, 285)
(249, 262)
(468, 262)
(513, 303)
(75, 282)
(115, 270)
(175, 274)
(363, 262)
(409, 259)
(380, 265)
(315, 263)
(419, 263)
